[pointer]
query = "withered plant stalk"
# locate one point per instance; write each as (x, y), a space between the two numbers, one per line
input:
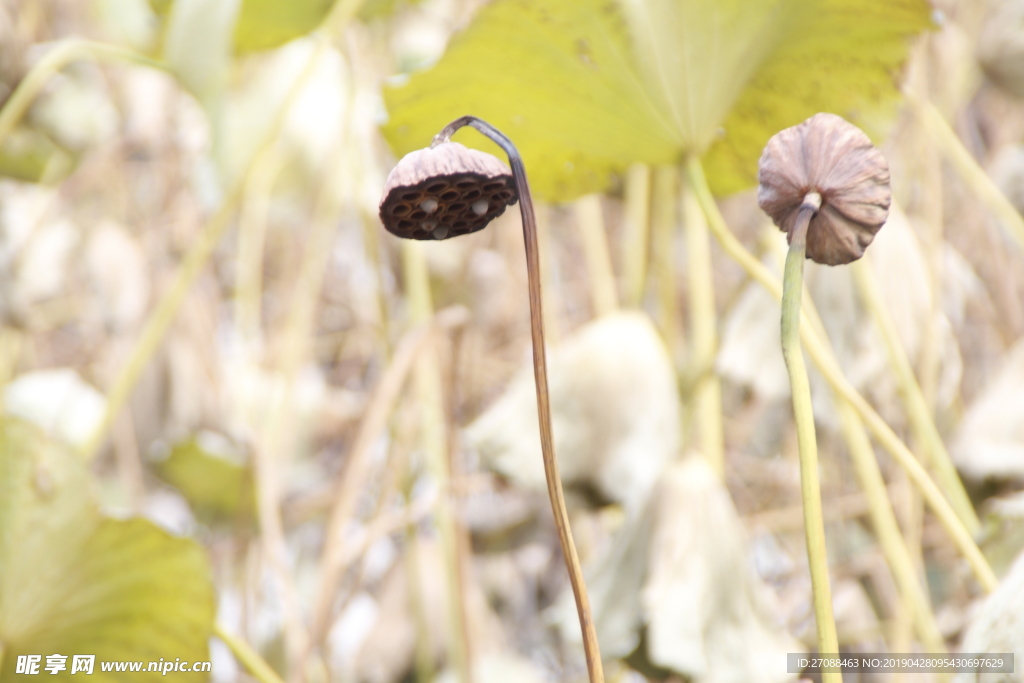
(540, 373)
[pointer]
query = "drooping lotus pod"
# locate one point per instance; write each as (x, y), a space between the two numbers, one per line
(445, 191)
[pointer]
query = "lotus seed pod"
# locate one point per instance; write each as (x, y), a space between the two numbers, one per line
(445, 191)
(827, 155)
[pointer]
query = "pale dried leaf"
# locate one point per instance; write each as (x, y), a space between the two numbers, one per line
(998, 626)
(990, 441)
(57, 400)
(614, 406)
(705, 610)
(76, 113)
(680, 569)
(751, 349)
(504, 667)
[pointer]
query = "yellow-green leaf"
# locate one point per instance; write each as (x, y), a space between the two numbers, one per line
(558, 78)
(265, 24)
(216, 484)
(161, 8)
(197, 47)
(379, 9)
(29, 155)
(844, 58)
(75, 583)
(585, 87)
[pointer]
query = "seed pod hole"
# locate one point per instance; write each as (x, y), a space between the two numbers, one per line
(445, 182)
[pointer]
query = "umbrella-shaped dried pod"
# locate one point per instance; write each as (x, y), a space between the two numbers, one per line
(827, 187)
(831, 157)
(445, 191)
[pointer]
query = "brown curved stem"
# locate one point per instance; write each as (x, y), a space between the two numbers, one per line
(540, 373)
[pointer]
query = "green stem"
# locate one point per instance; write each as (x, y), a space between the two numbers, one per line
(62, 54)
(158, 323)
(600, 274)
(969, 170)
(707, 393)
(810, 487)
(427, 375)
(883, 519)
(248, 657)
(252, 229)
(664, 199)
(845, 392)
(638, 204)
(895, 549)
(212, 233)
(423, 655)
(917, 407)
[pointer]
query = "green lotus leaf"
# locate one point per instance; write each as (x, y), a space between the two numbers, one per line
(218, 487)
(558, 78)
(265, 24)
(586, 87)
(845, 59)
(161, 8)
(197, 48)
(73, 582)
(380, 9)
(30, 155)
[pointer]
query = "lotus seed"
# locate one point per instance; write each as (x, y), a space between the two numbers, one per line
(440, 232)
(429, 205)
(428, 225)
(480, 207)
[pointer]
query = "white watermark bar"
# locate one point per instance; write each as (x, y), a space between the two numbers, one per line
(908, 663)
(34, 665)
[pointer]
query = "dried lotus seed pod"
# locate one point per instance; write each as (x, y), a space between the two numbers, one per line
(445, 191)
(827, 155)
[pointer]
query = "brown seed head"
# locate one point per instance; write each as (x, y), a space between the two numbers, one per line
(827, 155)
(445, 191)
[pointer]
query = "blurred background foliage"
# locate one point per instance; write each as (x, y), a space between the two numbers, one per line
(243, 423)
